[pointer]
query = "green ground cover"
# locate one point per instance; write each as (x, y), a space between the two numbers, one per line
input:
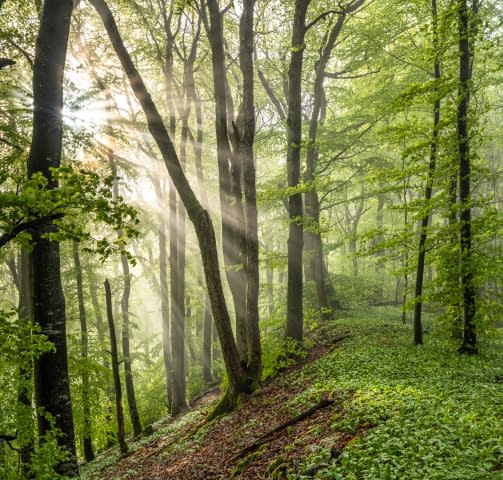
(421, 412)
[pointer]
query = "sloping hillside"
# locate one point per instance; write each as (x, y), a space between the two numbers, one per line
(363, 404)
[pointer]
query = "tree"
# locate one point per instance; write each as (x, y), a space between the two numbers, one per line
(418, 328)
(52, 387)
(469, 345)
(294, 318)
(121, 430)
(84, 352)
(199, 217)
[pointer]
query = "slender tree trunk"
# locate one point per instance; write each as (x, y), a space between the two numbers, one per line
(163, 280)
(52, 388)
(469, 345)
(295, 316)
(198, 215)
(121, 430)
(270, 289)
(207, 330)
(418, 327)
(84, 353)
(377, 241)
(100, 330)
(126, 353)
(208, 318)
(177, 262)
(251, 263)
(125, 331)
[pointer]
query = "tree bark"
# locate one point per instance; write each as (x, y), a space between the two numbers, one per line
(418, 327)
(469, 345)
(251, 257)
(177, 263)
(229, 176)
(126, 352)
(121, 430)
(294, 318)
(198, 215)
(84, 353)
(163, 282)
(100, 330)
(52, 388)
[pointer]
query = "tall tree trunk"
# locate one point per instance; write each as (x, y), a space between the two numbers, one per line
(126, 352)
(100, 330)
(377, 242)
(125, 331)
(52, 386)
(270, 289)
(247, 135)
(198, 215)
(121, 430)
(177, 263)
(163, 281)
(84, 353)
(229, 176)
(206, 352)
(295, 316)
(418, 327)
(469, 345)
(207, 335)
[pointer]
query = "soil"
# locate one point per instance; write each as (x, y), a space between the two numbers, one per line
(212, 451)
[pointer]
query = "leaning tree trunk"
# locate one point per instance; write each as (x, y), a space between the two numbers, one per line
(198, 215)
(84, 353)
(294, 316)
(121, 430)
(418, 327)
(52, 386)
(469, 345)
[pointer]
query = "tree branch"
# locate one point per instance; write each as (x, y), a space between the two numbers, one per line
(267, 437)
(272, 96)
(28, 226)
(5, 62)
(341, 76)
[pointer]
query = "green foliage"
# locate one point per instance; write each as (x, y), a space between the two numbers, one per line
(414, 413)
(277, 352)
(82, 194)
(48, 456)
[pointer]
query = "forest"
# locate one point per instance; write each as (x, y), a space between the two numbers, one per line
(251, 239)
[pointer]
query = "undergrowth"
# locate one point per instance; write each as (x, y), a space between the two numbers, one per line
(426, 412)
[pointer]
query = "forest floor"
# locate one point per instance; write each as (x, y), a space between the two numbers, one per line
(375, 407)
